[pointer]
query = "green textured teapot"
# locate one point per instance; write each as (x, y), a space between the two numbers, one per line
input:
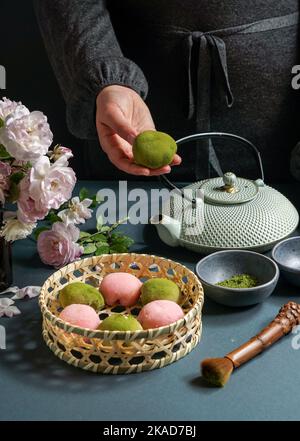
(226, 212)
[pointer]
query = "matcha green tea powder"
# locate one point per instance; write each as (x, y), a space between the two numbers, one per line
(239, 281)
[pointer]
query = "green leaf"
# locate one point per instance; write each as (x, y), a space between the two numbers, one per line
(17, 177)
(99, 197)
(104, 249)
(89, 248)
(99, 223)
(104, 229)
(114, 236)
(52, 217)
(27, 166)
(1, 123)
(118, 249)
(38, 231)
(95, 202)
(14, 192)
(84, 234)
(99, 237)
(4, 153)
(64, 206)
(121, 241)
(86, 240)
(84, 193)
(102, 244)
(85, 237)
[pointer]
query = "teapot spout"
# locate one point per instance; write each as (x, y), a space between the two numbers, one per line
(168, 229)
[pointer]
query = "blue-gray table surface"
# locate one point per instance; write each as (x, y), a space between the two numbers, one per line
(35, 385)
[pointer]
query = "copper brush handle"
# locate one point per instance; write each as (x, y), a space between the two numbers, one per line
(287, 318)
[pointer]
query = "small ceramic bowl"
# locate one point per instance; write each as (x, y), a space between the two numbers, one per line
(287, 256)
(223, 265)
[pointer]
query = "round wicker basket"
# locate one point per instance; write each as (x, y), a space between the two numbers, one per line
(122, 352)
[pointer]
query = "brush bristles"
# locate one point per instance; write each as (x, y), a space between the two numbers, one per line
(217, 371)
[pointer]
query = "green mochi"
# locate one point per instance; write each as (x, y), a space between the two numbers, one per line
(81, 293)
(120, 322)
(160, 289)
(154, 149)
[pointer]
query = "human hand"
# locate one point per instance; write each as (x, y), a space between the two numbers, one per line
(120, 116)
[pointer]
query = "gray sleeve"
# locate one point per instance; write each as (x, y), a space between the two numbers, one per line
(86, 57)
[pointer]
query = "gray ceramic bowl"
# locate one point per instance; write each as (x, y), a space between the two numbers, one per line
(287, 255)
(224, 264)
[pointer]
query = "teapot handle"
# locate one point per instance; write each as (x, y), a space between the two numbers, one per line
(215, 135)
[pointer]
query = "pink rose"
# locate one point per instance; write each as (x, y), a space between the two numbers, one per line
(28, 137)
(58, 247)
(51, 185)
(5, 171)
(46, 186)
(28, 211)
(8, 108)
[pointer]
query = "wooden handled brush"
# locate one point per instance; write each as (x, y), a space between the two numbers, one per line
(217, 371)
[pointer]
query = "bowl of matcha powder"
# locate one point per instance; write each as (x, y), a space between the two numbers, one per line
(237, 278)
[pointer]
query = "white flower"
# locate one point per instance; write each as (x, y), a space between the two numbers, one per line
(26, 138)
(77, 213)
(51, 185)
(8, 107)
(61, 153)
(7, 309)
(13, 229)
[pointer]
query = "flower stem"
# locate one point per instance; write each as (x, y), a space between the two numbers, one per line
(107, 232)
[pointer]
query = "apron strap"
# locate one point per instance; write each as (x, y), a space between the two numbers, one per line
(211, 58)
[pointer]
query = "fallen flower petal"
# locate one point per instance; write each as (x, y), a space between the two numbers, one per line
(7, 308)
(12, 290)
(27, 291)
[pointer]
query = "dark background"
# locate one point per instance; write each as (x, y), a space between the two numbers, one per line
(29, 76)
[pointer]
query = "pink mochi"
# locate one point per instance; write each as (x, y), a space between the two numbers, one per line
(122, 288)
(83, 316)
(159, 313)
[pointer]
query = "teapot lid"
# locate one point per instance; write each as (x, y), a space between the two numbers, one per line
(229, 190)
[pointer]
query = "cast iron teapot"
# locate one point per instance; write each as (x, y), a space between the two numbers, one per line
(226, 212)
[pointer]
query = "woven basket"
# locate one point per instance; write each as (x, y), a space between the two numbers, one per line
(116, 352)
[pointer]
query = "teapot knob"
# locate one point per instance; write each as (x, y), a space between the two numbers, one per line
(230, 179)
(230, 183)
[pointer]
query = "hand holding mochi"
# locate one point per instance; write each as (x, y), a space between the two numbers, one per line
(81, 293)
(159, 313)
(80, 315)
(120, 322)
(154, 149)
(160, 289)
(122, 288)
